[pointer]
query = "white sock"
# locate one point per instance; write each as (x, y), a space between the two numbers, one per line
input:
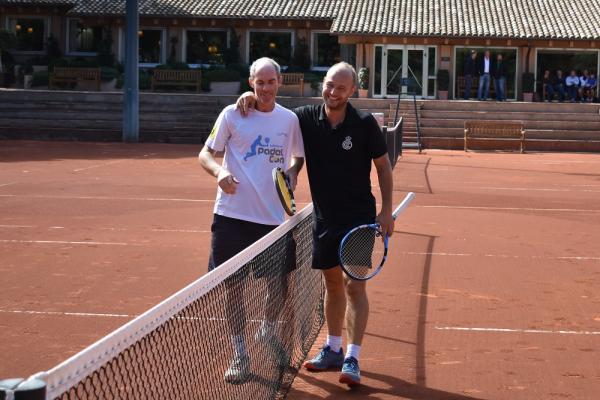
(353, 350)
(334, 342)
(267, 327)
(239, 345)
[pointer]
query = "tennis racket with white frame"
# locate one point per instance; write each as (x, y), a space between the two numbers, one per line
(363, 250)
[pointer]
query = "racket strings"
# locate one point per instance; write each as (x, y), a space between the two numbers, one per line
(362, 251)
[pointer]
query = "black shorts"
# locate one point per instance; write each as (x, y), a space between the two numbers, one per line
(230, 236)
(326, 242)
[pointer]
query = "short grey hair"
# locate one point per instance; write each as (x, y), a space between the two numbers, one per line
(264, 60)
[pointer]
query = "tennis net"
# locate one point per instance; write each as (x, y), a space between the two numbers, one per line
(181, 348)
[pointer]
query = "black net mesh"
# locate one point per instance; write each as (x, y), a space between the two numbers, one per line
(187, 357)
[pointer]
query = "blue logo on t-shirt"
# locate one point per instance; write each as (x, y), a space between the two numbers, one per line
(257, 147)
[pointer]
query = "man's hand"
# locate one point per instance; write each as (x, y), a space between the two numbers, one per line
(386, 221)
(245, 102)
(292, 175)
(227, 182)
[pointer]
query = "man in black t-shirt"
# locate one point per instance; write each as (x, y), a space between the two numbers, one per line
(340, 143)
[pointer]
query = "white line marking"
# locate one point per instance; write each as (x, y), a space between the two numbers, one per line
(538, 189)
(507, 330)
(108, 198)
(579, 258)
(64, 242)
(99, 165)
(7, 184)
(72, 314)
(180, 230)
(106, 315)
(514, 209)
(16, 226)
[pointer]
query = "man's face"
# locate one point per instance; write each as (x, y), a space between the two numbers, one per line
(487, 54)
(265, 83)
(338, 86)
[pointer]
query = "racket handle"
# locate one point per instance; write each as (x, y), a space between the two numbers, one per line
(409, 197)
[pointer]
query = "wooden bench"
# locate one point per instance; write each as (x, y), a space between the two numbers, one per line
(495, 130)
(62, 75)
(171, 77)
(292, 79)
(460, 88)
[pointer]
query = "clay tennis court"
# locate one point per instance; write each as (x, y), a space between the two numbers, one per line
(491, 291)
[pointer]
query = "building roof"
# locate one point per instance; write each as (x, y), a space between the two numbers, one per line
(245, 9)
(40, 2)
(511, 19)
(522, 19)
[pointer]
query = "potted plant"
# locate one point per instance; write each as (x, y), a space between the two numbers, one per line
(528, 80)
(443, 82)
(26, 70)
(223, 81)
(363, 82)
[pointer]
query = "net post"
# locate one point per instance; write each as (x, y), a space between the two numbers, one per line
(21, 389)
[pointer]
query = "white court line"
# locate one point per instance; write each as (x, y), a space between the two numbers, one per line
(574, 210)
(16, 226)
(65, 242)
(105, 315)
(108, 198)
(7, 184)
(71, 314)
(99, 165)
(539, 189)
(508, 330)
(578, 258)
(181, 230)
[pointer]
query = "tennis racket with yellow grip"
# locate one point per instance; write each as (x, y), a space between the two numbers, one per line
(363, 250)
(284, 191)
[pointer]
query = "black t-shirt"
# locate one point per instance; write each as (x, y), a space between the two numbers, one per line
(338, 162)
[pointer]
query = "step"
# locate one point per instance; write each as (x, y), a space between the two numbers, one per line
(467, 105)
(545, 124)
(555, 116)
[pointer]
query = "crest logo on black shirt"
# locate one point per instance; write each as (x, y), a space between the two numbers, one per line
(347, 143)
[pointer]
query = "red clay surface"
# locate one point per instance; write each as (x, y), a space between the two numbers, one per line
(491, 291)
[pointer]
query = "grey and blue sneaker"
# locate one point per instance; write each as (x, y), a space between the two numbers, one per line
(239, 370)
(350, 372)
(326, 359)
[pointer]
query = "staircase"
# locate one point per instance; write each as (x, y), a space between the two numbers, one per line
(67, 115)
(548, 126)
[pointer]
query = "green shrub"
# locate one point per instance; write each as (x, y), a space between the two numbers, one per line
(40, 78)
(363, 78)
(443, 79)
(144, 80)
(221, 75)
(107, 74)
(528, 82)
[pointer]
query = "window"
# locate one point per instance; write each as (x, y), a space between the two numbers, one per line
(509, 55)
(277, 45)
(205, 47)
(151, 46)
(325, 50)
(30, 32)
(84, 38)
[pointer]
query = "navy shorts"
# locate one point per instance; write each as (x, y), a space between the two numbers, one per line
(230, 236)
(326, 242)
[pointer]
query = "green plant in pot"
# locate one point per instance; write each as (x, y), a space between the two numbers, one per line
(363, 82)
(443, 82)
(528, 80)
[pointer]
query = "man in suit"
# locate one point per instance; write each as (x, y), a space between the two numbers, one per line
(499, 74)
(469, 71)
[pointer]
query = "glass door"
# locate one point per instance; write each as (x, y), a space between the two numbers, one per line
(404, 70)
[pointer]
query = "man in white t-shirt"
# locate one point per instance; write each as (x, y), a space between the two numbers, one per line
(247, 206)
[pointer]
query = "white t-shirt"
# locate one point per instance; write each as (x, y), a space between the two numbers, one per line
(253, 146)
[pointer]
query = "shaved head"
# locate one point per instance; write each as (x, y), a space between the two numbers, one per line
(343, 68)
